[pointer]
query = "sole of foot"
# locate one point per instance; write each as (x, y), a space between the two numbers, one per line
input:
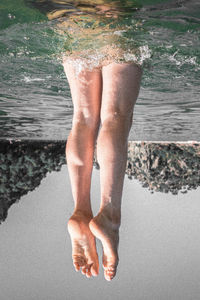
(84, 254)
(108, 234)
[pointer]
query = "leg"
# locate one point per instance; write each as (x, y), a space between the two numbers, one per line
(86, 90)
(121, 84)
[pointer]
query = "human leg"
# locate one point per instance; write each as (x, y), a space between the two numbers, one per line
(86, 90)
(121, 84)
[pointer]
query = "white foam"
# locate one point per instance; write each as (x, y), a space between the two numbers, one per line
(28, 79)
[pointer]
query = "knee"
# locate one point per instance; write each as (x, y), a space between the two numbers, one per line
(121, 120)
(86, 120)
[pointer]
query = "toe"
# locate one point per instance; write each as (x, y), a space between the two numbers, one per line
(110, 267)
(84, 270)
(92, 259)
(109, 273)
(88, 273)
(78, 261)
(107, 277)
(95, 269)
(76, 266)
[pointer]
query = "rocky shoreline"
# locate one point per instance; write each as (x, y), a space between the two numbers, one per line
(23, 164)
(160, 167)
(165, 167)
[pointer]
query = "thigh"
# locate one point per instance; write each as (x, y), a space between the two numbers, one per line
(86, 88)
(121, 84)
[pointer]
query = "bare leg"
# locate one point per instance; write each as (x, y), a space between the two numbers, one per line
(121, 84)
(86, 90)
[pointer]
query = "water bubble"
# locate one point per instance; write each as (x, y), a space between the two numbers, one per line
(11, 16)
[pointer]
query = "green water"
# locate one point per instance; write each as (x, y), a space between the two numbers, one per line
(35, 99)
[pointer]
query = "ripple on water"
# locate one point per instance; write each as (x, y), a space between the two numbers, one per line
(35, 98)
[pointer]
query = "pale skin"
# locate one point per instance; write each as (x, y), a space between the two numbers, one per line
(103, 100)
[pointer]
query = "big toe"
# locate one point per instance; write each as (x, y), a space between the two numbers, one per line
(86, 271)
(110, 266)
(95, 269)
(78, 261)
(110, 272)
(93, 260)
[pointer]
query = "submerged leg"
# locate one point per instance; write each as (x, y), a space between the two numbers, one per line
(121, 83)
(86, 90)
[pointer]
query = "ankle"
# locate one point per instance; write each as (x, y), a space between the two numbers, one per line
(83, 213)
(111, 214)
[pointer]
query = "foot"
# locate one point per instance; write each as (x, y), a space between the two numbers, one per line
(108, 233)
(84, 252)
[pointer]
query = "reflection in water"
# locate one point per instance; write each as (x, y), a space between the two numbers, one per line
(95, 33)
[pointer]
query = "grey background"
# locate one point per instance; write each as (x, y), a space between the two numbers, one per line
(159, 246)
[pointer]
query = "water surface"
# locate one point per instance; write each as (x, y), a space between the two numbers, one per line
(35, 99)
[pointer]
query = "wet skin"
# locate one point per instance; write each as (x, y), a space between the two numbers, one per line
(105, 95)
